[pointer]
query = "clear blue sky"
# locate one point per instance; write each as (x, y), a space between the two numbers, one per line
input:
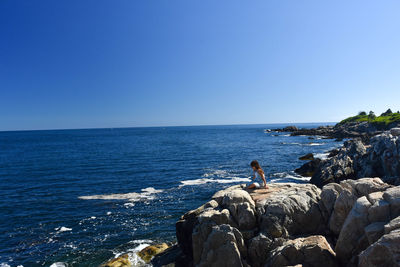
(78, 64)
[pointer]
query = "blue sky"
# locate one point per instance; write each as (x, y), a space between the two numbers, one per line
(79, 63)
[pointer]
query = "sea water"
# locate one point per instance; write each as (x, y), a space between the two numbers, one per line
(81, 197)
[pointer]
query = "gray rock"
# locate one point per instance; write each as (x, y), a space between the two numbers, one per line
(258, 250)
(392, 225)
(292, 209)
(309, 251)
(224, 246)
(392, 195)
(352, 239)
(374, 231)
(384, 252)
(351, 191)
(379, 212)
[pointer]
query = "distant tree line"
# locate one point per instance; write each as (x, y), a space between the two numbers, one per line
(371, 114)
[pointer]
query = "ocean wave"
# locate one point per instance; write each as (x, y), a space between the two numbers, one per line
(63, 229)
(211, 173)
(321, 155)
(315, 144)
(146, 194)
(206, 180)
(284, 177)
(59, 264)
(284, 143)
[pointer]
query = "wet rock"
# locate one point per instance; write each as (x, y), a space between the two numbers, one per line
(121, 261)
(309, 156)
(308, 169)
(149, 252)
(168, 257)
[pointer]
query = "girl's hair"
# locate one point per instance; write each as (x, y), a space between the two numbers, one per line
(256, 165)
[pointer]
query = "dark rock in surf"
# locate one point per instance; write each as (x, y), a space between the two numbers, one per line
(308, 169)
(309, 156)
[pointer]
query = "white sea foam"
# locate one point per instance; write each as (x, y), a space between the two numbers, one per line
(284, 143)
(215, 173)
(146, 194)
(59, 264)
(321, 155)
(282, 177)
(63, 229)
(206, 180)
(315, 144)
(4, 265)
(132, 252)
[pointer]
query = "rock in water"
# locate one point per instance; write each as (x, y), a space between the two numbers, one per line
(309, 156)
(309, 169)
(395, 131)
(290, 129)
(149, 252)
(121, 261)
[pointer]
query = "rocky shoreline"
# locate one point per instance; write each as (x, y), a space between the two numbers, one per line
(351, 223)
(362, 130)
(340, 219)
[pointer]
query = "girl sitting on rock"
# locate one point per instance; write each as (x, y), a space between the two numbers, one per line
(258, 175)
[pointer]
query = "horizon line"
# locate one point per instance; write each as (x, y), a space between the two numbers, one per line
(165, 126)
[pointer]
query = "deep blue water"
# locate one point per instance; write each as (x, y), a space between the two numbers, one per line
(43, 174)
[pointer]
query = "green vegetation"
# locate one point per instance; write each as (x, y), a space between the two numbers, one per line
(381, 122)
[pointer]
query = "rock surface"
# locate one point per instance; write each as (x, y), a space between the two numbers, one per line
(309, 251)
(121, 261)
(149, 252)
(290, 224)
(381, 158)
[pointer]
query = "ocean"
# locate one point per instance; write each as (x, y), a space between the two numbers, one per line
(81, 197)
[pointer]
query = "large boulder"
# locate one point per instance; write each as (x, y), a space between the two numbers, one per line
(352, 238)
(313, 251)
(289, 209)
(223, 246)
(384, 252)
(259, 248)
(343, 196)
(185, 225)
